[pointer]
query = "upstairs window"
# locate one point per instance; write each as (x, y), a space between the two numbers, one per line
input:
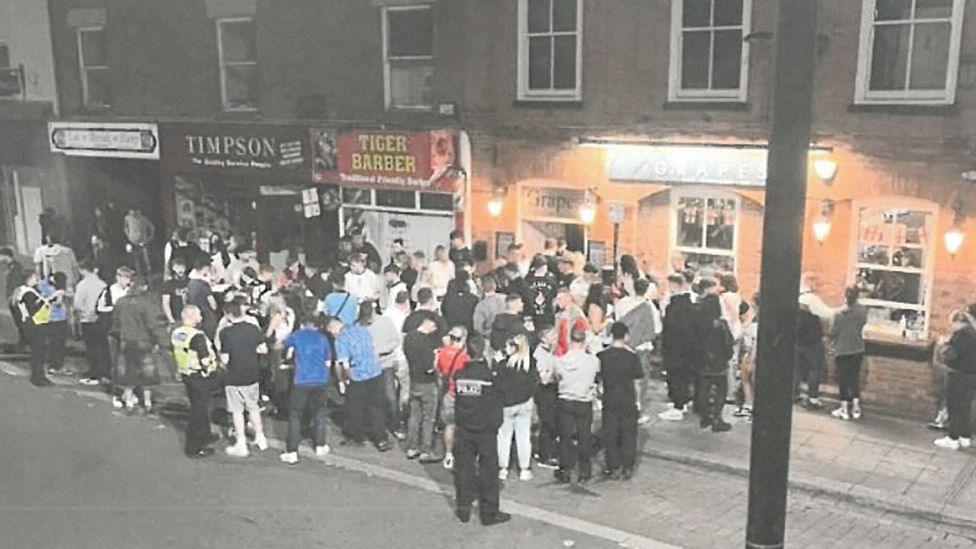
(408, 37)
(909, 51)
(709, 59)
(96, 87)
(550, 36)
(237, 52)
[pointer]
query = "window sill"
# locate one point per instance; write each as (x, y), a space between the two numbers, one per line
(544, 103)
(916, 351)
(706, 105)
(905, 109)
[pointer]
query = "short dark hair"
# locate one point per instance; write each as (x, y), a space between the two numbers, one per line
(457, 234)
(590, 268)
(641, 285)
(233, 309)
(87, 265)
(514, 296)
(310, 310)
(402, 296)
(398, 241)
(707, 283)
(476, 347)
(489, 282)
(729, 282)
(619, 331)
(689, 275)
(677, 278)
(577, 335)
(366, 311)
(391, 268)
(7, 251)
(201, 263)
(424, 295)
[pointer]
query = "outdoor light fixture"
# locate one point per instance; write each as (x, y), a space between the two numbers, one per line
(587, 212)
(821, 226)
(495, 206)
(826, 169)
(953, 240)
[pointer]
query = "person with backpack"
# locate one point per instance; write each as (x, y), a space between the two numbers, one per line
(35, 313)
(340, 303)
(717, 346)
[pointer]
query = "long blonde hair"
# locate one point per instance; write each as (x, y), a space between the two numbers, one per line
(521, 357)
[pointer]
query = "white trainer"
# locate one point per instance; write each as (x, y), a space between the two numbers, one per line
(261, 443)
(323, 450)
(947, 443)
(964, 442)
(503, 474)
(237, 450)
(290, 458)
(525, 475)
(672, 414)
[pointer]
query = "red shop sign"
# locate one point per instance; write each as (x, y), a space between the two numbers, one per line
(398, 160)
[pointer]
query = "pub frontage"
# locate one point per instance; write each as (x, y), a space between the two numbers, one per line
(895, 228)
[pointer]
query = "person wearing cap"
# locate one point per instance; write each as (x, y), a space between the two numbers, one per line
(140, 327)
(452, 358)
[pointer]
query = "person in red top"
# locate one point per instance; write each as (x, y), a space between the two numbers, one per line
(568, 317)
(451, 359)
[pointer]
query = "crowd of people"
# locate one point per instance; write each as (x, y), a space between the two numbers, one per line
(445, 359)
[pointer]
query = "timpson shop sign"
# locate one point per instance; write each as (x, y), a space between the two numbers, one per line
(251, 148)
(384, 159)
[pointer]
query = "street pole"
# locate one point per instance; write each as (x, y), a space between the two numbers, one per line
(782, 252)
(616, 246)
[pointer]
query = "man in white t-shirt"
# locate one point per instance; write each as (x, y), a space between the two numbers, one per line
(362, 282)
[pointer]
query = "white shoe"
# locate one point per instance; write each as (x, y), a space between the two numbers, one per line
(672, 414)
(117, 403)
(525, 475)
(503, 474)
(856, 409)
(449, 462)
(841, 413)
(323, 450)
(237, 450)
(261, 443)
(964, 442)
(947, 443)
(644, 418)
(290, 458)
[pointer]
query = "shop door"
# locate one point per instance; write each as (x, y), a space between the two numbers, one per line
(535, 233)
(284, 227)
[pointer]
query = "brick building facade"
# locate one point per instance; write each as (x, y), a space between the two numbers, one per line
(658, 107)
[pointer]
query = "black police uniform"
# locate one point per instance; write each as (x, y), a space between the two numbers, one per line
(478, 415)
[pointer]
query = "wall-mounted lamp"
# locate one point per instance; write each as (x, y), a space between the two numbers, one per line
(826, 169)
(497, 202)
(821, 225)
(587, 212)
(955, 236)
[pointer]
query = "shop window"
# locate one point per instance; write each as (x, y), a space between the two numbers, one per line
(352, 195)
(437, 201)
(909, 51)
(96, 88)
(709, 59)
(705, 230)
(892, 269)
(237, 51)
(408, 34)
(396, 199)
(550, 49)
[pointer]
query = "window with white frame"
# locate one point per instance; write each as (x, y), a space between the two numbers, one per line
(96, 87)
(892, 267)
(709, 57)
(705, 229)
(909, 51)
(408, 37)
(237, 53)
(550, 36)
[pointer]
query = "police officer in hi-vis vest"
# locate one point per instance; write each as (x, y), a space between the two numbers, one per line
(196, 361)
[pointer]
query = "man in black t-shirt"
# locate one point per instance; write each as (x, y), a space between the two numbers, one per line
(619, 369)
(240, 345)
(200, 294)
(174, 291)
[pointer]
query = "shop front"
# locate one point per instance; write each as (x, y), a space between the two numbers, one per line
(246, 180)
(551, 210)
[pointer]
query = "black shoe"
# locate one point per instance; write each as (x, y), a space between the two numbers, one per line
(627, 474)
(705, 422)
(351, 442)
(583, 480)
(201, 453)
(611, 474)
(497, 517)
(721, 427)
(562, 478)
(383, 446)
(43, 382)
(463, 515)
(213, 437)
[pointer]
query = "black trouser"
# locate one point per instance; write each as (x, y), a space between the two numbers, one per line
(96, 349)
(56, 336)
(960, 389)
(546, 397)
(849, 376)
(680, 375)
(620, 437)
(575, 419)
(809, 368)
(476, 470)
(37, 339)
(198, 390)
(366, 411)
(715, 388)
(281, 380)
(306, 399)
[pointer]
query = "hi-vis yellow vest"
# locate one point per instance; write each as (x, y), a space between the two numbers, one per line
(188, 360)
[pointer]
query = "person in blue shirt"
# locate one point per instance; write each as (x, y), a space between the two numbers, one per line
(340, 303)
(365, 400)
(312, 352)
(57, 330)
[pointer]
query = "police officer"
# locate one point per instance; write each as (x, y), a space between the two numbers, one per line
(196, 361)
(478, 415)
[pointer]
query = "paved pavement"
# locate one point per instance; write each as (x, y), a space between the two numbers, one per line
(876, 483)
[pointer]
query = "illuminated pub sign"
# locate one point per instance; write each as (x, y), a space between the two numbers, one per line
(235, 147)
(688, 164)
(385, 159)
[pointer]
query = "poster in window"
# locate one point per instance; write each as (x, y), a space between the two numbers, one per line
(324, 155)
(502, 242)
(597, 253)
